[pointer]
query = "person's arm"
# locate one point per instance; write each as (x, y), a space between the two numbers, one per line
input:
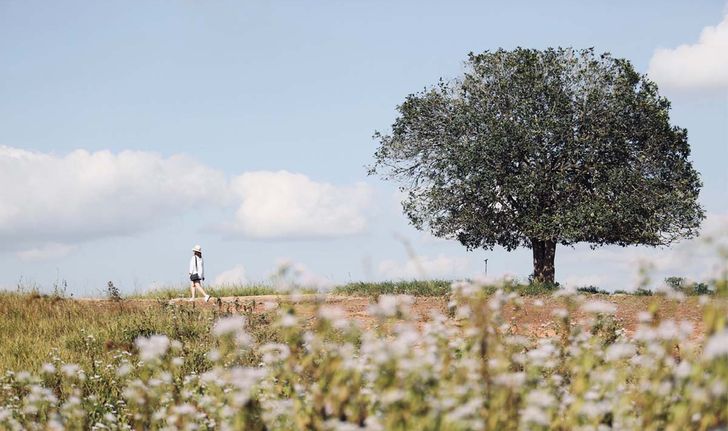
(192, 265)
(202, 268)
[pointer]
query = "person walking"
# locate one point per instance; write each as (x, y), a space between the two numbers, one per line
(197, 273)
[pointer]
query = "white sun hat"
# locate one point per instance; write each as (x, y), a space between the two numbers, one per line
(197, 248)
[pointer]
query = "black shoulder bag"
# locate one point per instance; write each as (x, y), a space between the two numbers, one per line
(195, 276)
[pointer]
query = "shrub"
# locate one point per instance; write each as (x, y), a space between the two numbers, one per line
(112, 292)
(592, 290)
(680, 284)
(641, 291)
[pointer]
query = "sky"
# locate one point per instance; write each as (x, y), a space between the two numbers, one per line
(131, 131)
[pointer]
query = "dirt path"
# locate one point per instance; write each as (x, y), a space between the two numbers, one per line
(535, 317)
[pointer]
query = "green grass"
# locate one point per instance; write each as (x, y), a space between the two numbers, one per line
(37, 327)
(171, 292)
(529, 289)
(359, 288)
(374, 289)
(433, 288)
(412, 287)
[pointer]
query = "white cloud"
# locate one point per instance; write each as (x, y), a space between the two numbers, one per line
(702, 65)
(45, 252)
(49, 203)
(287, 205)
(714, 226)
(233, 276)
(423, 267)
(697, 259)
(84, 195)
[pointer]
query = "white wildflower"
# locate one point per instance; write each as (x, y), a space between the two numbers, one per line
(467, 410)
(540, 398)
(594, 410)
(184, 409)
(331, 313)
(335, 315)
(644, 317)
(372, 424)
(389, 305)
(598, 306)
(536, 415)
(540, 355)
(518, 358)
(123, 369)
(288, 320)
(274, 352)
(465, 289)
(619, 351)
(497, 300)
(214, 355)
(463, 312)
(664, 388)
(243, 339)
(561, 313)
(392, 396)
(153, 347)
(718, 389)
(228, 325)
(511, 380)
(683, 369)
(246, 377)
(567, 291)
(685, 328)
(716, 346)
(645, 333)
(516, 340)
(70, 370)
(667, 330)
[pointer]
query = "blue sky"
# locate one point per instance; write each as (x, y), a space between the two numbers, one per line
(133, 130)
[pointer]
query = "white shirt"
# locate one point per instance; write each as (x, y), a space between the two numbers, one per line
(199, 268)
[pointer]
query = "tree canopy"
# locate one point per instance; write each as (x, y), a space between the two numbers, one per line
(534, 148)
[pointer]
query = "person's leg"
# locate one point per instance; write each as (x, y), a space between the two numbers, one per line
(198, 285)
(192, 289)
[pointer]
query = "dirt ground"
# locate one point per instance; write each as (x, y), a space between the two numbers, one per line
(535, 317)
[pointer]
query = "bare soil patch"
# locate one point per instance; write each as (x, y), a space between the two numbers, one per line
(535, 317)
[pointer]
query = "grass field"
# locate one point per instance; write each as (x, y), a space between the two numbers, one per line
(400, 287)
(219, 291)
(496, 357)
(409, 287)
(38, 328)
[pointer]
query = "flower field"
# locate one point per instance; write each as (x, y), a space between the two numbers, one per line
(466, 368)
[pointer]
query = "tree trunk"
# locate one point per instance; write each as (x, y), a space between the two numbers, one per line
(544, 254)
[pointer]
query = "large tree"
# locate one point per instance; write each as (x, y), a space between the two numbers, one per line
(537, 148)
